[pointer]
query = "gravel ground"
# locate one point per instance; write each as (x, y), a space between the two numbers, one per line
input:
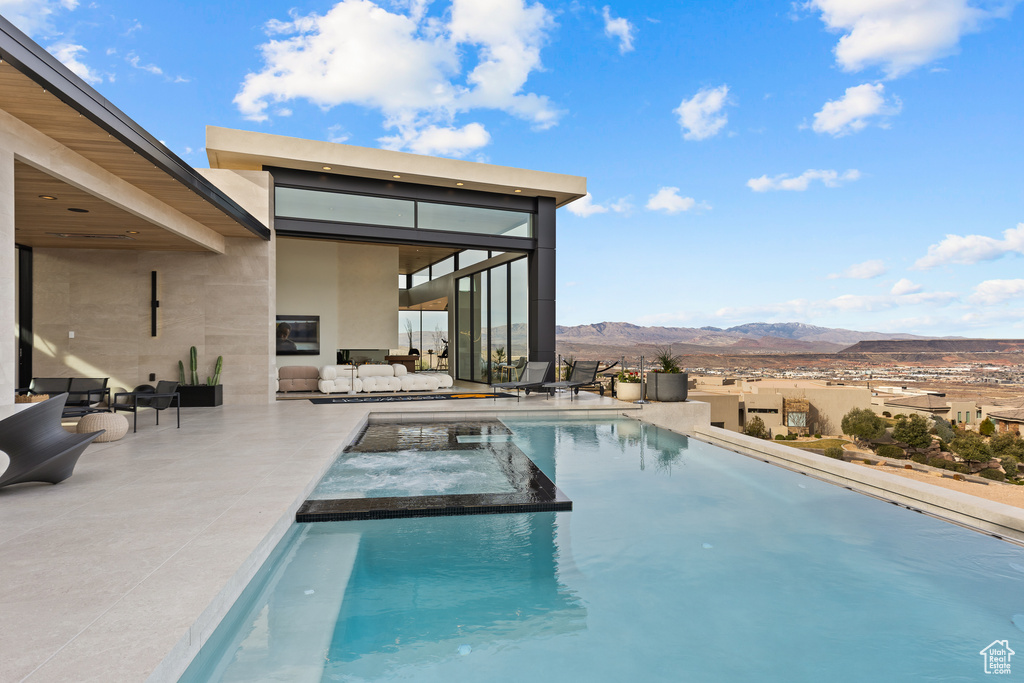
(1000, 493)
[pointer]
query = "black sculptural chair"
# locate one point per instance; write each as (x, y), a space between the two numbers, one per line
(145, 396)
(39, 447)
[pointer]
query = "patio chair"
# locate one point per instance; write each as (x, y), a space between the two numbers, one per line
(47, 385)
(83, 395)
(533, 377)
(583, 373)
(145, 396)
(40, 449)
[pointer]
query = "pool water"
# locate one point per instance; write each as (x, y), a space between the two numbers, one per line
(679, 562)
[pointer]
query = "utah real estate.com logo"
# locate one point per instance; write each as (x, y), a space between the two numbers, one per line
(997, 657)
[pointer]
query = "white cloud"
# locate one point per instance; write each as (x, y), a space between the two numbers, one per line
(667, 199)
(34, 17)
(970, 249)
(619, 28)
(69, 55)
(905, 286)
(801, 182)
(136, 62)
(853, 111)
(862, 271)
(585, 206)
(997, 291)
(900, 35)
(701, 116)
(337, 134)
(434, 140)
(408, 66)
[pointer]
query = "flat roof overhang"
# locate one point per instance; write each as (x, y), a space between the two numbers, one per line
(245, 150)
(42, 97)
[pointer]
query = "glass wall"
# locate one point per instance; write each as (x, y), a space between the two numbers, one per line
(492, 309)
(429, 330)
(319, 205)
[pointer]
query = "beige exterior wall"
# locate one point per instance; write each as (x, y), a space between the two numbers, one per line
(725, 408)
(352, 287)
(218, 303)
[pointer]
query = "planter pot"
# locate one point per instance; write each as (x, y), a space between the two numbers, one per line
(667, 386)
(627, 391)
(201, 396)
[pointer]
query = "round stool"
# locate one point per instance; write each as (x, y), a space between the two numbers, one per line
(115, 424)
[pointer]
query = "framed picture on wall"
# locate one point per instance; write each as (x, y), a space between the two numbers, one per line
(298, 335)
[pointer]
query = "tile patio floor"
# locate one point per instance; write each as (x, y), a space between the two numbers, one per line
(120, 572)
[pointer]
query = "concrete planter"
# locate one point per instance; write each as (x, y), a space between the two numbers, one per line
(201, 396)
(667, 386)
(627, 391)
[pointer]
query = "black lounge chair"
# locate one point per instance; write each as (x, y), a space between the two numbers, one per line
(47, 385)
(583, 373)
(83, 395)
(145, 396)
(533, 377)
(40, 449)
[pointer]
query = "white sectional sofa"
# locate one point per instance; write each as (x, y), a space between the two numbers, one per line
(336, 379)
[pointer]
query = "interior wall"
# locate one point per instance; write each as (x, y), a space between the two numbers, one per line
(352, 287)
(8, 282)
(219, 303)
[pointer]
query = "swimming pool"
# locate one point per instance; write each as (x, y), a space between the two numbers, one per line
(680, 561)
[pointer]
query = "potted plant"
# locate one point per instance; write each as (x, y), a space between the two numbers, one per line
(668, 382)
(627, 386)
(196, 395)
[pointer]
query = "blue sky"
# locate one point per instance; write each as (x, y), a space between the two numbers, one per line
(845, 163)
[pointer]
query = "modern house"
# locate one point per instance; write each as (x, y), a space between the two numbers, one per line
(118, 256)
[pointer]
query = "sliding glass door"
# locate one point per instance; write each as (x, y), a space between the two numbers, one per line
(491, 319)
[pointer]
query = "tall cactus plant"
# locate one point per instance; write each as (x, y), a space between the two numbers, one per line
(181, 373)
(194, 365)
(215, 380)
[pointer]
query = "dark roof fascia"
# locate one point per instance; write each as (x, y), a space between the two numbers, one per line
(43, 68)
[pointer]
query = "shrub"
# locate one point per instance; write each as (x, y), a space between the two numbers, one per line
(1010, 464)
(834, 452)
(1007, 443)
(987, 427)
(890, 451)
(886, 413)
(993, 474)
(913, 431)
(791, 437)
(919, 458)
(817, 436)
(780, 437)
(863, 424)
(755, 427)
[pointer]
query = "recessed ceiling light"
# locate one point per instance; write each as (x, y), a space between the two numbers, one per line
(396, 176)
(78, 210)
(518, 190)
(327, 168)
(132, 232)
(460, 184)
(47, 196)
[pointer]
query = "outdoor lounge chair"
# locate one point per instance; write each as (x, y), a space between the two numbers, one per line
(533, 377)
(145, 396)
(583, 373)
(83, 395)
(47, 385)
(39, 447)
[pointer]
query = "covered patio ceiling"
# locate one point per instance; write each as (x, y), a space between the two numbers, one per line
(42, 99)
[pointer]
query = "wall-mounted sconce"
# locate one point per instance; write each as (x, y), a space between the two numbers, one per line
(153, 304)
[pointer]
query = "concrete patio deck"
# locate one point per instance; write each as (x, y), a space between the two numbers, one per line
(122, 571)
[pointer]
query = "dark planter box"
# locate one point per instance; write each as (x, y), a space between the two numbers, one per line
(667, 386)
(201, 396)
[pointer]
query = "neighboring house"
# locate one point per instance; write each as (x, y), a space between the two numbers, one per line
(961, 411)
(1008, 420)
(98, 220)
(785, 406)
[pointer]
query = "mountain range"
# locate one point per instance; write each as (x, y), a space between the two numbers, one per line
(748, 338)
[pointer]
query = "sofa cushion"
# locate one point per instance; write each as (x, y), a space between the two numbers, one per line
(368, 370)
(297, 378)
(444, 380)
(381, 382)
(420, 382)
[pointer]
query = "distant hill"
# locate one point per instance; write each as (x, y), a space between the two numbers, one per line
(751, 338)
(938, 346)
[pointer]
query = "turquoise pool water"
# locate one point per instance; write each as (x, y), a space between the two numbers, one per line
(679, 562)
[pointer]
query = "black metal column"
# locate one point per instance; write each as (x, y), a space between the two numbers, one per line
(542, 285)
(25, 337)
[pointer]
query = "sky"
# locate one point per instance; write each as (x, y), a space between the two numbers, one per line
(843, 163)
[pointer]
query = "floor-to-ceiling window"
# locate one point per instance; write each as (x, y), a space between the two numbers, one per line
(492, 310)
